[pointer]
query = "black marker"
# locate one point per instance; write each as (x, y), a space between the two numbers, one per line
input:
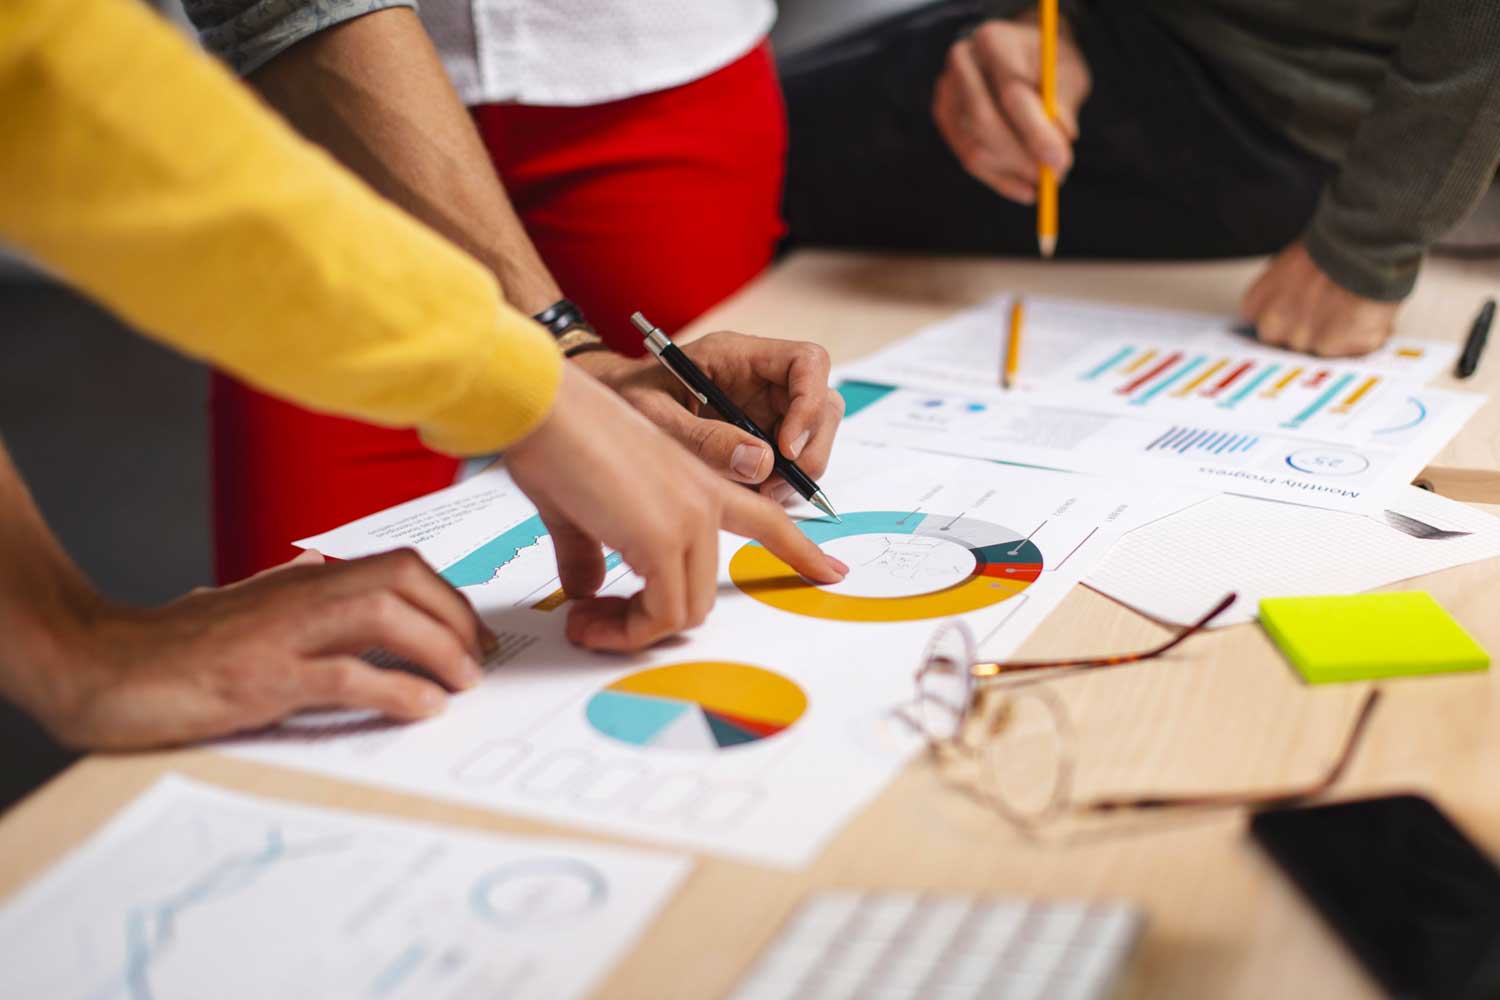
(1479, 335)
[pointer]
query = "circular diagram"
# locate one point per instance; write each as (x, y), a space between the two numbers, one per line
(1328, 462)
(696, 706)
(545, 889)
(913, 566)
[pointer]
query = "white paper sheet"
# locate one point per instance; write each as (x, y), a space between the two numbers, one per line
(1289, 467)
(1175, 569)
(559, 733)
(1169, 397)
(1191, 366)
(193, 892)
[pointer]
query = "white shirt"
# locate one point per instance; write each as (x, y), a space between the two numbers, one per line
(580, 52)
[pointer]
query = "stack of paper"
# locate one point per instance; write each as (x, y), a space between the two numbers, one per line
(1166, 397)
(761, 732)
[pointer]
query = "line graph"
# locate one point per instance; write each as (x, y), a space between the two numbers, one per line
(152, 928)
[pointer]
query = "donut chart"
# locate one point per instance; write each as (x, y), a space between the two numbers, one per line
(1005, 564)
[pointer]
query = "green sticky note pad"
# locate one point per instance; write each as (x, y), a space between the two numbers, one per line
(1362, 637)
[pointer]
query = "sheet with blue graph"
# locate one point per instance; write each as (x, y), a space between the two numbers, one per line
(1172, 397)
(193, 892)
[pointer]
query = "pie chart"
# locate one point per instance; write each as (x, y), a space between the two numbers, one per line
(904, 566)
(706, 706)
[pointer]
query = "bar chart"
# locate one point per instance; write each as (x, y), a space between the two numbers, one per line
(1203, 441)
(1271, 390)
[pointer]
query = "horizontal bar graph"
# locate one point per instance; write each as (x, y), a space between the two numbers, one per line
(1282, 383)
(1167, 382)
(1150, 374)
(1108, 363)
(1249, 387)
(1262, 386)
(1230, 379)
(1183, 440)
(1139, 363)
(1354, 397)
(1200, 378)
(1317, 405)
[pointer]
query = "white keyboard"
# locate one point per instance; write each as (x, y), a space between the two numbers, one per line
(902, 946)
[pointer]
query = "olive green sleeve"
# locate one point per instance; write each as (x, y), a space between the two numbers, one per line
(1423, 156)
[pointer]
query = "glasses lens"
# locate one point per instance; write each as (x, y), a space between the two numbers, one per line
(1027, 752)
(943, 681)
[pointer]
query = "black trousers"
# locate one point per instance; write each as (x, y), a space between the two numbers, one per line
(1169, 164)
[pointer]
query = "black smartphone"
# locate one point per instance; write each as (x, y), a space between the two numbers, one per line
(1401, 884)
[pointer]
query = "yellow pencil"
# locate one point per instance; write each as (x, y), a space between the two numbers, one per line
(1046, 192)
(1013, 344)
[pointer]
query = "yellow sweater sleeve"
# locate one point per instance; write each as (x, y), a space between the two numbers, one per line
(141, 172)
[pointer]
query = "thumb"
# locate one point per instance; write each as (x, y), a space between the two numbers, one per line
(724, 448)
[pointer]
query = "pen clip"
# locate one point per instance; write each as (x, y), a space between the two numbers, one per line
(656, 343)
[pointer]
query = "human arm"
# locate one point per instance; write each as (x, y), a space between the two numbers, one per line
(156, 183)
(159, 186)
(98, 675)
(1417, 164)
(373, 92)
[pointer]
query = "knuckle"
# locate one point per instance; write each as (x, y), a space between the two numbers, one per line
(376, 607)
(659, 540)
(992, 34)
(338, 679)
(973, 158)
(409, 565)
(676, 618)
(815, 354)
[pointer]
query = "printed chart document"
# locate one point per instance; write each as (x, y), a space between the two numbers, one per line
(194, 892)
(1175, 569)
(758, 734)
(1171, 397)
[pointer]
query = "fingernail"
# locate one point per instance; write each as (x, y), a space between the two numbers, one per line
(473, 674)
(797, 445)
(782, 492)
(432, 701)
(838, 564)
(746, 459)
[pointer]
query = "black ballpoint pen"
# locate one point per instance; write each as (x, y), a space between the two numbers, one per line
(1478, 335)
(703, 388)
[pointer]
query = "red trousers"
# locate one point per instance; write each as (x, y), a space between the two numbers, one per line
(666, 203)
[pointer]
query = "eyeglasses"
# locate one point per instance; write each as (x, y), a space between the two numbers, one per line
(1020, 733)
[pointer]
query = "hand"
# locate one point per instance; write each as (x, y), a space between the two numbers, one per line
(598, 471)
(780, 384)
(988, 105)
(1293, 304)
(224, 660)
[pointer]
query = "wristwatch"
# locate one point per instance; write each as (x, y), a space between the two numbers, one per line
(564, 320)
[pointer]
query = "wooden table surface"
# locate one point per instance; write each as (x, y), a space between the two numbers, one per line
(1225, 714)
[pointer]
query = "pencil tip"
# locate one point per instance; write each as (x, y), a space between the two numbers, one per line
(1048, 245)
